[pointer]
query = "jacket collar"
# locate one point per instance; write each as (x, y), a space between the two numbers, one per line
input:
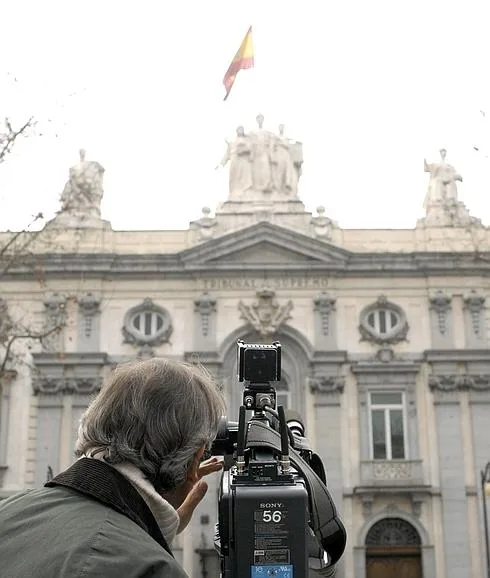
(102, 482)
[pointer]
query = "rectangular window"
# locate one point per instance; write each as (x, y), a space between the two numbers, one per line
(387, 417)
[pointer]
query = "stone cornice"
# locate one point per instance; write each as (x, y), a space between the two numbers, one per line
(202, 357)
(378, 367)
(297, 253)
(456, 355)
(172, 267)
(44, 359)
(332, 356)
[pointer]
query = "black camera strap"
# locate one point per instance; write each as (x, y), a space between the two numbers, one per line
(324, 520)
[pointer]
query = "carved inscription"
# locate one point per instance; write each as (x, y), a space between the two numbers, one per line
(237, 283)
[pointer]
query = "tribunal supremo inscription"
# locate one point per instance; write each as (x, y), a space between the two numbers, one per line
(216, 283)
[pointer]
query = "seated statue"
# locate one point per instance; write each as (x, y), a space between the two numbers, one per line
(82, 195)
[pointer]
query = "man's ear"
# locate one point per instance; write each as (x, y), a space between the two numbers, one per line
(192, 474)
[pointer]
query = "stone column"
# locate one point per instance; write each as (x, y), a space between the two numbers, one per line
(327, 392)
(452, 475)
(479, 404)
(6, 378)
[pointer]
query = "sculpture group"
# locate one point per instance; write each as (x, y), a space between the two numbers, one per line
(263, 162)
(263, 166)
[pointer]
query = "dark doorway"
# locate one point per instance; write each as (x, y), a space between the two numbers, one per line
(393, 550)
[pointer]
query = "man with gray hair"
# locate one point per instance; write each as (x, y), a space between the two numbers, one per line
(116, 510)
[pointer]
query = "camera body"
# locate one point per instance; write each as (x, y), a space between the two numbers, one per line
(275, 515)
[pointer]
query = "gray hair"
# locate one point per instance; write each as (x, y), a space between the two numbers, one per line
(155, 414)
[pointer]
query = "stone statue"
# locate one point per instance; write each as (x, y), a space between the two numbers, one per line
(82, 195)
(442, 185)
(205, 225)
(442, 207)
(284, 173)
(262, 163)
(262, 145)
(322, 225)
(238, 154)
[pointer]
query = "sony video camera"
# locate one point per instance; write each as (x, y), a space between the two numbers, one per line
(275, 514)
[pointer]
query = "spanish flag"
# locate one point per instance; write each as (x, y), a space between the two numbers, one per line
(243, 59)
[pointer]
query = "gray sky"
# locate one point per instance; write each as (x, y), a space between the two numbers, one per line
(370, 88)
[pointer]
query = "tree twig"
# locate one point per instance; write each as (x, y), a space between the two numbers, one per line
(8, 138)
(35, 336)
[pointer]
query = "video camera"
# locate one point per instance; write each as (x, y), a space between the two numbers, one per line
(275, 514)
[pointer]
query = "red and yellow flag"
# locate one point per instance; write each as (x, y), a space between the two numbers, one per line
(244, 58)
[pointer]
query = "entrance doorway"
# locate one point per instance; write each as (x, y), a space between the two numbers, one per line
(393, 550)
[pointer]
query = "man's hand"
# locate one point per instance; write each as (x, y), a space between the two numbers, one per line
(196, 490)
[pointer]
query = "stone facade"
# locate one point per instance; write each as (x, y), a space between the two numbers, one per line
(386, 354)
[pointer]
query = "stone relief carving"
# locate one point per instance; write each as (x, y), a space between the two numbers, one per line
(146, 352)
(266, 315)
(205, 306)
(55, 309)
(322, 225)
(385, 355)
(441, 202)
(449, 383)
(475, 304)
(391, 470)
(76, 385)
(147, 324)
(441, 304)
(324, 306)
(56, 317)
(327, 384)
(383, 322)
(89, 306)
(263, 162)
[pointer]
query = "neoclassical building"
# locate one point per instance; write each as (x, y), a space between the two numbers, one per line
(385, 338)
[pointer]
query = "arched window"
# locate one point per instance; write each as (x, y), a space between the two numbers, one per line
(393, 550)
(282, 390)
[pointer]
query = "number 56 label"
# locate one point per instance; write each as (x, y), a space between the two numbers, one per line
(272, 516)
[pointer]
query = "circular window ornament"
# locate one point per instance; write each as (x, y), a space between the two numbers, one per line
(147, 324)
(383, 322)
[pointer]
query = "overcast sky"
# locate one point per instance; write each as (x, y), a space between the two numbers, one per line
(370, 88)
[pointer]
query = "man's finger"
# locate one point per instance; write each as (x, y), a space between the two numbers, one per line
(204, 470)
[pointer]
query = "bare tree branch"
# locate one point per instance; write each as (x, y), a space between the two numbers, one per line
(9, 136)
(27, 335)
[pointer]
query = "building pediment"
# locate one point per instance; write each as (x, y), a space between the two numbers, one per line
(266, 244)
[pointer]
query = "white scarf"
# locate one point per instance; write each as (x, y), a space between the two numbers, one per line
(165, 514)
